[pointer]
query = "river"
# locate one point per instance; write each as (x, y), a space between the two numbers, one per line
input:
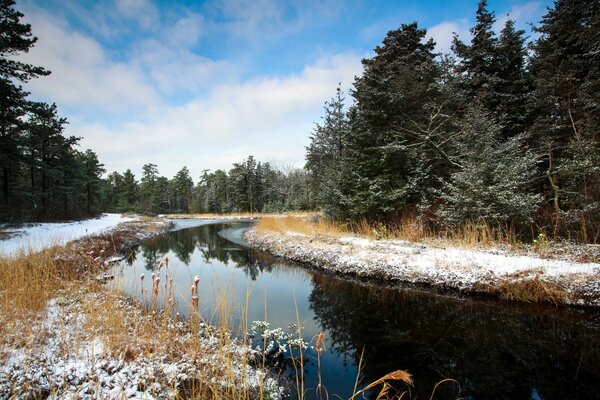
(494, 350)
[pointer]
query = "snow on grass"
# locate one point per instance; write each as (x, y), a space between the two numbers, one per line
(64, 357)
(468, 270)
(35, 237)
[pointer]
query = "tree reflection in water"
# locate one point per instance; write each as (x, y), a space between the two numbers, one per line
(494, 350)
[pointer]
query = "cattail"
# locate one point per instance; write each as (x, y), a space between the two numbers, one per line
(196, 281)
(167, 261)
(142, 277)
(160, 265)
(320, 345)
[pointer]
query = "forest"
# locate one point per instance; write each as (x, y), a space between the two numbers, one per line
(502, 131)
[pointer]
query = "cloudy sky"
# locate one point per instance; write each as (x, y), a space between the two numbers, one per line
(207, 83)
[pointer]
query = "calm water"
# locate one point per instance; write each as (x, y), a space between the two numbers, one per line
(494, 350)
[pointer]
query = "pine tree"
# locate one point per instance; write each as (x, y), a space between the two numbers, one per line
(324, 155)
(182, 186)
(493, 185)
(128, 199)
(381, 173)
(477, 60)
(91, 173)
(15, 38)
(148, 194)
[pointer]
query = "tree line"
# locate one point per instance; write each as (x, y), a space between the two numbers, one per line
(43, 174)
(249, 186)
(46, 177)
(499, 131)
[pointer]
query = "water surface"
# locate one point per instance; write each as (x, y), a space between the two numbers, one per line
(494, 350)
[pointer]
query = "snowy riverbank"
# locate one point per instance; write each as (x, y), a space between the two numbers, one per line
(491, 272)
(35, 237)
(83, 340)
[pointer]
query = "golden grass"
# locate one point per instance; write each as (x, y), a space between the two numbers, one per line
(28, 281)
(532, 289)
(408, 228)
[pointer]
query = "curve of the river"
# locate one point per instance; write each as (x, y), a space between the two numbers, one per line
(494, 350)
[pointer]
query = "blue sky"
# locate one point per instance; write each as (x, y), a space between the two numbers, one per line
(205, 84)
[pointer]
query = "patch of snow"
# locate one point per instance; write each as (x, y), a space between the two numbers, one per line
(39, 236)
(457, 268)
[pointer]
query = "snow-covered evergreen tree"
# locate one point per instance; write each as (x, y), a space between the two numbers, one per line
(493, 184)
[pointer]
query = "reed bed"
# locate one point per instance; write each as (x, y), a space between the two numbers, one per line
(409, 228)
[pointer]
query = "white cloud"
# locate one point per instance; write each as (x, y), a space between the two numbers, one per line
(82, 73)
(264, 117)
(124, 110)
(522, 14)
(444, 32)
(143, 12)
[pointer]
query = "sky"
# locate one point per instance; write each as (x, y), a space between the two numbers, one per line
(204, 84)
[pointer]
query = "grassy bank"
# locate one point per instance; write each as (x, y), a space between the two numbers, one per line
(63, 333)
(473, 262)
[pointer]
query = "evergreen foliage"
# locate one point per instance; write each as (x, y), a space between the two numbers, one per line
(382, 173)
(493, 184)
(496, 132)
(324, 155)
(43, 176)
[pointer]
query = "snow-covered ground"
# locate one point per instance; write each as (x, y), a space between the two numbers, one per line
(467, 270)
(38, 236)
(65, 357)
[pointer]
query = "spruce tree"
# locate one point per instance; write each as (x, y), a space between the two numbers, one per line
(477, 60)
(324, 155)
(566, 104)
(513, 84)
(493, 185)
(382, 175)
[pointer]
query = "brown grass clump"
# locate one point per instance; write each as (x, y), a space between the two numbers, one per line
(27, 281)
(407, 227)
(303, 225)
(532, 290)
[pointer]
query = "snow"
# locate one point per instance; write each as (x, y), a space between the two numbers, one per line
(38, 236)
(468, 270)
(63, 359)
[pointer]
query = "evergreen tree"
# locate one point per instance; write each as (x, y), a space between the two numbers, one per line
(324, 155)
(477, 63)
(566, 104)
(382, 174)
(513, 84)
(182, 186)
(91, 173)
(493, 184)
(148, 193)
(15, 38)
(128, 199)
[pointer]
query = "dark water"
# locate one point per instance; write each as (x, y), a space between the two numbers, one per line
(493, 350)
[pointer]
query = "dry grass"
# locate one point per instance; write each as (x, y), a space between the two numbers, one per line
(29, 281)
(408, 228)
(242, 215)
(533, 289)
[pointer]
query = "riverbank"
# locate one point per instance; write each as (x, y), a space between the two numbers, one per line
(494, 272)
(64, 334)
